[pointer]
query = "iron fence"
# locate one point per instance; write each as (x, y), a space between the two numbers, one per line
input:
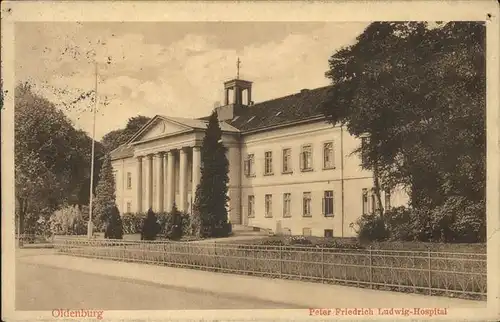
(427, 272)
(33, 239)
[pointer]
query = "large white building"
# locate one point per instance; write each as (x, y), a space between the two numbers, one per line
(290, 170)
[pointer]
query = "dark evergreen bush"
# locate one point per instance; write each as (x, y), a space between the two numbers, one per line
(151, 227)
(114, 225)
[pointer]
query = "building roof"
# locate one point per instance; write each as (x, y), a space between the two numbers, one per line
(302, 106)
(200, 123)
(123, 151)
(281, 111)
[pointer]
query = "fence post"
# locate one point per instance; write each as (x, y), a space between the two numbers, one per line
(281, 261)
(322, 265)
(371, 266)
(216, 258)
(429, 273)
(254, 266)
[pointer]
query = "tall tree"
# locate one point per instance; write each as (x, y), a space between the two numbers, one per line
(211, 194)
(115, 138)
(419, 94)
(52, 159)
(105, 199)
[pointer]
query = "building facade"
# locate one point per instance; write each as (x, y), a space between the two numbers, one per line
(290, 171)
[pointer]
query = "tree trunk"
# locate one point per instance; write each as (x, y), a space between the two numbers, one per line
(376, 188)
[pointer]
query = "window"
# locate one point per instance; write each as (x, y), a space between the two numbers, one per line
(387, 199)
(328, 156)
(287, 160)
(268, 166)
(329, 233)
(364, 149)
(249, 166)
(287, 201)
(251, 206)
(129, 207)
(306, 200)
(269, 206)
(129, 180)
(306, 232)
(306, 158)
(364, 201)
(328, 203)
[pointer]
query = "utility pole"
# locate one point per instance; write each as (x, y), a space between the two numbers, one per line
(89, 227)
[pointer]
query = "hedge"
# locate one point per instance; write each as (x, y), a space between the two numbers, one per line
(133, 222)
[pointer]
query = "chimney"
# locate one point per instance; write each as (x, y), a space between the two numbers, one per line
(304, 90)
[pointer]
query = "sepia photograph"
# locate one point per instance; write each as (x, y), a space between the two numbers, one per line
(238, 168)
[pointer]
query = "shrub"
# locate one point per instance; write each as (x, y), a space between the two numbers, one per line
(150, 227)
(459, 220)
(222, 230)
(175, 228)
(372, 227)
(407, 224)
(68, 220)
(133, 222)
(470, 223)
(297, 240)
(114, 226)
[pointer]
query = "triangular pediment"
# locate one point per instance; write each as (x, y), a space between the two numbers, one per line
(159, 126)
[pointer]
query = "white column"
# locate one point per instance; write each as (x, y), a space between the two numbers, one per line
(159, 182)
(149, 179)
(165, 182)
(170, 180)
(182, 180)
(196, 170)
(139, 185)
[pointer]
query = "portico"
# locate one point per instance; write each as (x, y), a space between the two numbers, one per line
(161, 165)
(170, 176)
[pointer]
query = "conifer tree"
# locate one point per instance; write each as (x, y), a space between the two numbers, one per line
(150, 227)
(176, 224)
(211, 195)
(114, 227)
(105, 198)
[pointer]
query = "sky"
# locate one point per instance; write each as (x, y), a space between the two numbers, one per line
(171, 68)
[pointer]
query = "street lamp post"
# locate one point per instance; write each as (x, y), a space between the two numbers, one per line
(89, 227)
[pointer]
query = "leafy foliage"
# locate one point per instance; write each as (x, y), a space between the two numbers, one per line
(210, 206)
(115, 138)
(372, 227)
(456, 220)
(175, 232)
(406, 224)
(52, 159)
(419, 94)
(105, 199)
(114, 225)
(151, 227)
(133, 223)
(459, 220)
(69, 220)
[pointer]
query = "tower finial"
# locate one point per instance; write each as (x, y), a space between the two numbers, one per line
(238, 62)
